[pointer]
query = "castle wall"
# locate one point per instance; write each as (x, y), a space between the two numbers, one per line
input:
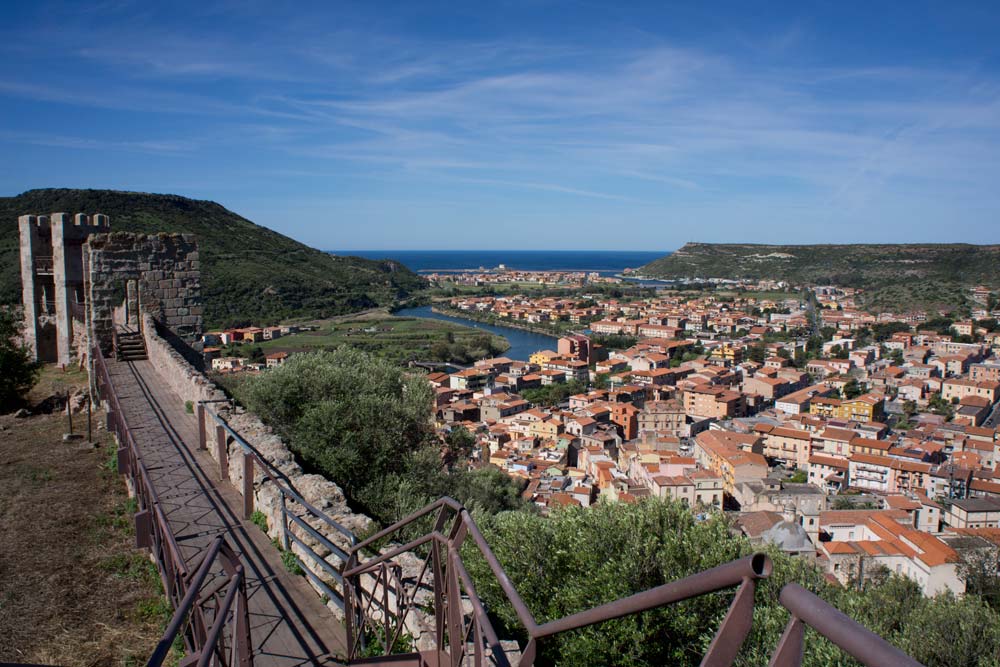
(52, 280)
(36, 240)
(68, 236)
(166, 271)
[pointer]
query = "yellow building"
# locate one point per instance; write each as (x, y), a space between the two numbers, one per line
(547, 429)
(863, 409)
(727, 354)
(542, 357)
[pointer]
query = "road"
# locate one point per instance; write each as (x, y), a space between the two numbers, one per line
(994, 419)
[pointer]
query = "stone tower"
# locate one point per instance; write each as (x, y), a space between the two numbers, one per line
(53, 279)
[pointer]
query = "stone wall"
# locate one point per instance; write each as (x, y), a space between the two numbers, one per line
(191, 385)
(180, 376)
(166, 271)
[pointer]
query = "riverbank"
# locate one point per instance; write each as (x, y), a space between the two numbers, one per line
(523, 342)
(497, 322)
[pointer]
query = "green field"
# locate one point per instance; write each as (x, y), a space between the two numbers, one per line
(400, 339)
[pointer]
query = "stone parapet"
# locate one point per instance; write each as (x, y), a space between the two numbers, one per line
(191, 385)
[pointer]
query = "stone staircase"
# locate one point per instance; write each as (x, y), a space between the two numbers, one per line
(130, 347)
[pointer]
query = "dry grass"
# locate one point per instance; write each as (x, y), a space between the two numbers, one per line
(73, 589)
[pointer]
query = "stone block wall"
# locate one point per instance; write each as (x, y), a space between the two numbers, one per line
(191, 385)
(52, 279)
(166, 270)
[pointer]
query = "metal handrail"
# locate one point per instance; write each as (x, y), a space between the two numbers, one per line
(272, 473)
(452, 584)
(252, 457)
(844, 632)
(185, 606)
(184, 589)
(44, 264)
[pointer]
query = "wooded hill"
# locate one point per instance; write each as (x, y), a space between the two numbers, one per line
(250, 274)
(894, 276)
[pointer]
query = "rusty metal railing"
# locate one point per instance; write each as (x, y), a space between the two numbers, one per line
(462, 628)
(252, 460)
(852, 637)
(226, 641)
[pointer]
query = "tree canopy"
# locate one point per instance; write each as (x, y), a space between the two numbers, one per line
(366, 424)
(578, 558)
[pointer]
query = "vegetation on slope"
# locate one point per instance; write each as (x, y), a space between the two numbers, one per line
(250, 274)
(892, 275)
(581, 557)
(366, 424)
(18, 371)
(74, 591)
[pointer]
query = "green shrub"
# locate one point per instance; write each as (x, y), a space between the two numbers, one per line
(259, 519)
(291, 563)
(365, 424)
(578, 558)
(18, 372)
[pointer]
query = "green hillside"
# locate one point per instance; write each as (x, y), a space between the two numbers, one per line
(249, 273)
(894, 276)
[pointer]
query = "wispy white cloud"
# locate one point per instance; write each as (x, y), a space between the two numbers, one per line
(649, 124)
(152, 146)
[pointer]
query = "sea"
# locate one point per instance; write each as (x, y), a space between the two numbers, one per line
(605, 262)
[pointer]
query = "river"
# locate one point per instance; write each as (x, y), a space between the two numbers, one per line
(522, 343)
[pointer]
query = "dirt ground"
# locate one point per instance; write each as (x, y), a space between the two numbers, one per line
(73, 589)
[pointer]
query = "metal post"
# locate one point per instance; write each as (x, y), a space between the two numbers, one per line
(90, 428)
(456, 638)
(202, 436)
(244, 642)
(348, 599)
(247, 484)
(438, 594)
(220, 438)
(69, 413)
(284, 529)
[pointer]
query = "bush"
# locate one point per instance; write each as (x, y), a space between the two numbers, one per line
(366, 424)
(259, 519)
(18, 372)
(578, 558)
(291, 563)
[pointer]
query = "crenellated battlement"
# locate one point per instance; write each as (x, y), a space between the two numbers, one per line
(95, 220)
(98, 221)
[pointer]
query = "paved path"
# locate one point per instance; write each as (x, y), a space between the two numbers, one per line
(289, 625)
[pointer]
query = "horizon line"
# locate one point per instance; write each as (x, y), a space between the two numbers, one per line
(489, 250)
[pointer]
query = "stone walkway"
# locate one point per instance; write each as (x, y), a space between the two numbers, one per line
(289, 624)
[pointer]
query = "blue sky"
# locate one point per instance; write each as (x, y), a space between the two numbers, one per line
(520, 124)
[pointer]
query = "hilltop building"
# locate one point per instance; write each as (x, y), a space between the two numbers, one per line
(80, 281)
